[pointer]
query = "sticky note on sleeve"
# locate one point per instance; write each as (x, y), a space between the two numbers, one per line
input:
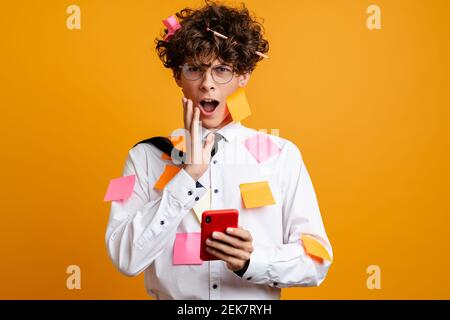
(314, 247)
(166, 176)
(238, 105)
(256, 194)
(186, 249)
(120, 188)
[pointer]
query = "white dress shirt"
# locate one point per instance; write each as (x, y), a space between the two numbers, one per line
(142, 229)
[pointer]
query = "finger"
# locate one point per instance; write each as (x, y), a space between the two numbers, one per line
(183, 101)
(228, 250)
(235, 242)
(189, 112)
(231, 260)
(240, 233)
(207, 148)
(195, 137)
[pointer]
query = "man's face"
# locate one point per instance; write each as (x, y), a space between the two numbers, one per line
(210, 95)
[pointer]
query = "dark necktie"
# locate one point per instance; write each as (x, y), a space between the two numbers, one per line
(215, 149)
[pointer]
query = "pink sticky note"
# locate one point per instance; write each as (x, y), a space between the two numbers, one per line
(120, 188)
(261, 147)
(187, 249)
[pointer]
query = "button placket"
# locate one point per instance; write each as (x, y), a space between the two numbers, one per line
(214, 279)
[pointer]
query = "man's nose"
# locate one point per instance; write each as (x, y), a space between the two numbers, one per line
(207, 81)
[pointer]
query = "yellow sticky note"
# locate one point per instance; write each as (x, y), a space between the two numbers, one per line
(167, 175)
(238, 105)
(256, 194)
(314, 247)
(202, 205)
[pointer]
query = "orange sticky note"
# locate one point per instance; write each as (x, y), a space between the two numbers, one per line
(256, 194)
(314, 247)
(167, 175)
(238, 105)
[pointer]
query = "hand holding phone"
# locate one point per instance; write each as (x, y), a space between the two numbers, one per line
(216, 220)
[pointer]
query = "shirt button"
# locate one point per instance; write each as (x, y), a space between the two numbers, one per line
(275, 284)
(162, 222)
(216, 190)
(197, 198)
(249, 278)
(190, 193)
(214, 286)
(215, 161)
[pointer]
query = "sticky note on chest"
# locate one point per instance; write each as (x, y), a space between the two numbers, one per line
(256, 194)
(261, 147)
(238, 105)
(202, 205)
(120, 188)
(167, 175)
(186, 249)
(314, 247)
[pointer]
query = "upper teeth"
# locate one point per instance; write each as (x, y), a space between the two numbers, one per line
(208, 100)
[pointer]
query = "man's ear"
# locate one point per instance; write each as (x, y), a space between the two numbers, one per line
(177, 77)
(243, 79)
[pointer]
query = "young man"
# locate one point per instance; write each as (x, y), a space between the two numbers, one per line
(265, 253)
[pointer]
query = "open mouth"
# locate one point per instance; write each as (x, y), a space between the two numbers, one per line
(209, 105)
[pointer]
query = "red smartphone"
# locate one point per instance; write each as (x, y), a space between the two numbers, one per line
(216, 220)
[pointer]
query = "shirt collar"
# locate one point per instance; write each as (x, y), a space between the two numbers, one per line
(229, 131)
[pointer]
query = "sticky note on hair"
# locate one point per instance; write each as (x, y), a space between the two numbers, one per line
(202, 205)
(166, 176)
(186, 249)
(315, 247)
(238, 105)
(120, 188)
(261, 147)
(256, 194)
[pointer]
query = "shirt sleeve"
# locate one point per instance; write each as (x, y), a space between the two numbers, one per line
(140, 227)
(287, 264)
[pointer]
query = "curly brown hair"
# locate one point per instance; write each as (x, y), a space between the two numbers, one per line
(194, 44)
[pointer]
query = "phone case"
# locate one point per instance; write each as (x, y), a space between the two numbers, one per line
(220, 221)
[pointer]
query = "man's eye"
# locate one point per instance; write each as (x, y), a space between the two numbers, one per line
(223, 69)
(193, 69)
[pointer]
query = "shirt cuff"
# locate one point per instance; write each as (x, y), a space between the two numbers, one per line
(182, 187)
(204, 179)
(258, 268)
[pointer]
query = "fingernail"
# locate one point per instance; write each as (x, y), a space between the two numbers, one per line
(215, 234)
(230, 230)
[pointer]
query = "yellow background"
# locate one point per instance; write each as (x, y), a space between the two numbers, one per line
(368, 109)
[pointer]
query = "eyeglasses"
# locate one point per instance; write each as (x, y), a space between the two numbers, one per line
(221, 74)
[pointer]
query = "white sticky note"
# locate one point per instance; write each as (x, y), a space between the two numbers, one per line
(202, 205)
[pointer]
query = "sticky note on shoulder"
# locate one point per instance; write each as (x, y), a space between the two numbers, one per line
(315, 247)
(256, 194)
(238, 105)
(166, 176)
(120, 188)
(186, 249)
